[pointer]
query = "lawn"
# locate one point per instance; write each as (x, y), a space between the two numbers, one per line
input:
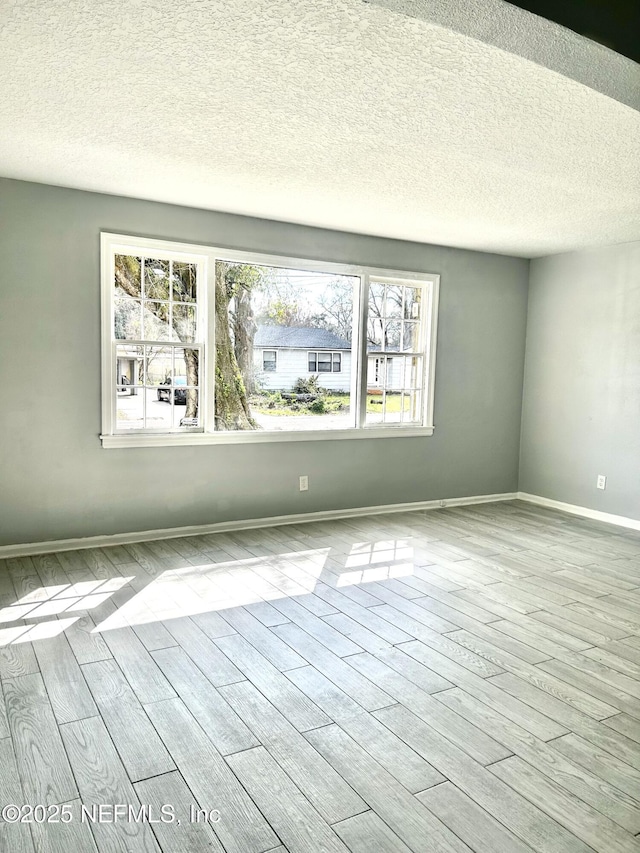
(272, 403)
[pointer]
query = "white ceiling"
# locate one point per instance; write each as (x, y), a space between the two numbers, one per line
(334, 113)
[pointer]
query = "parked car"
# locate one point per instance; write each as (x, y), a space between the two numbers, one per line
(179, 393)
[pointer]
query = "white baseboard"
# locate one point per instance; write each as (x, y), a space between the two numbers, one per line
(585, 512)
(30, 548)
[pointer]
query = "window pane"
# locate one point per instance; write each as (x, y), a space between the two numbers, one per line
(375, 334)
(186, 381)
(412, 303)
(156, 321)
(391, 340)
(377, 368)
(393, 301)
(127, 278)
(158, 408)
(299, 314)
(337, 362)
(130, 409)
(411, 336)
(402, 372)
(129, 366)
(393, 375)
(186, 366)
(324, 362)
(374, 371)
(393, 404)
(375, 406)
(156, 279)
(375, 317)
(376, 299)
(412, 406)
(184, 282)
(185, 409)
(413, 372)
(184, 322)
(127, 319)
(159, 366)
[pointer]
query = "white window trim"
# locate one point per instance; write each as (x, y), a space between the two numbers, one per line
(318, 352)
(275, 360)
(112, 244)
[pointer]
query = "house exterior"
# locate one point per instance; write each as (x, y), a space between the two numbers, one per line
(283, 354)
(394, 373)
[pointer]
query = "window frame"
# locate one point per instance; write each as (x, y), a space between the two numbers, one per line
(113, 243)
(384, 357)
(275, 361)
(118, 244)
(316, 361)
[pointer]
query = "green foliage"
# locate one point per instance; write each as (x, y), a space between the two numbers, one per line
(289, 312)
(275, 400)
(308, 385)
(222, 386)
(239, 276)
(274, 403)
(318, 407)
(239, 383)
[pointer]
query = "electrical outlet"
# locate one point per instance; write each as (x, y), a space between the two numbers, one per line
(304, 483)
(601, 482)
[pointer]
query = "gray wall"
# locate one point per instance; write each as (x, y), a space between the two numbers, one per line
(58, 482)
(581, 412)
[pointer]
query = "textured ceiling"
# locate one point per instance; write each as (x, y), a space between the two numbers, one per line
(533, 37)
(335, 113)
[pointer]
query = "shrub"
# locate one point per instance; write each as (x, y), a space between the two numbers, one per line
(307, 385)
(318, 406)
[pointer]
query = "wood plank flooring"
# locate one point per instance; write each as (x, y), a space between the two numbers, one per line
(466, 679)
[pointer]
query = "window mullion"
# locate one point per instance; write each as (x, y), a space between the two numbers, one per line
(360, 351)
(430, 297)
(113, 372)
(208, 371)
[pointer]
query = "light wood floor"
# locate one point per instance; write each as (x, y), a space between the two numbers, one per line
(464, 679)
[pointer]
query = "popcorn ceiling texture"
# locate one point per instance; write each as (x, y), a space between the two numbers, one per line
(532, 37)
(334, 113)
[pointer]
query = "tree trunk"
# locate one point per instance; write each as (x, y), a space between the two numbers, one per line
(244, 329)
(231, 405)
(191, 363)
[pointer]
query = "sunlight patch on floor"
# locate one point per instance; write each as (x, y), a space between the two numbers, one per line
(376, 573)
(193, 589)
(189, 590)
(50, 601)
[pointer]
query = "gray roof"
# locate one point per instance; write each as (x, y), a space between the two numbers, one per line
(296, 337)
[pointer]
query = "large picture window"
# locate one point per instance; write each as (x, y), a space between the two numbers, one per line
(325, 362)
(202, 345)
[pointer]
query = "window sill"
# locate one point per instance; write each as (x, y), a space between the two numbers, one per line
(259, 436)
